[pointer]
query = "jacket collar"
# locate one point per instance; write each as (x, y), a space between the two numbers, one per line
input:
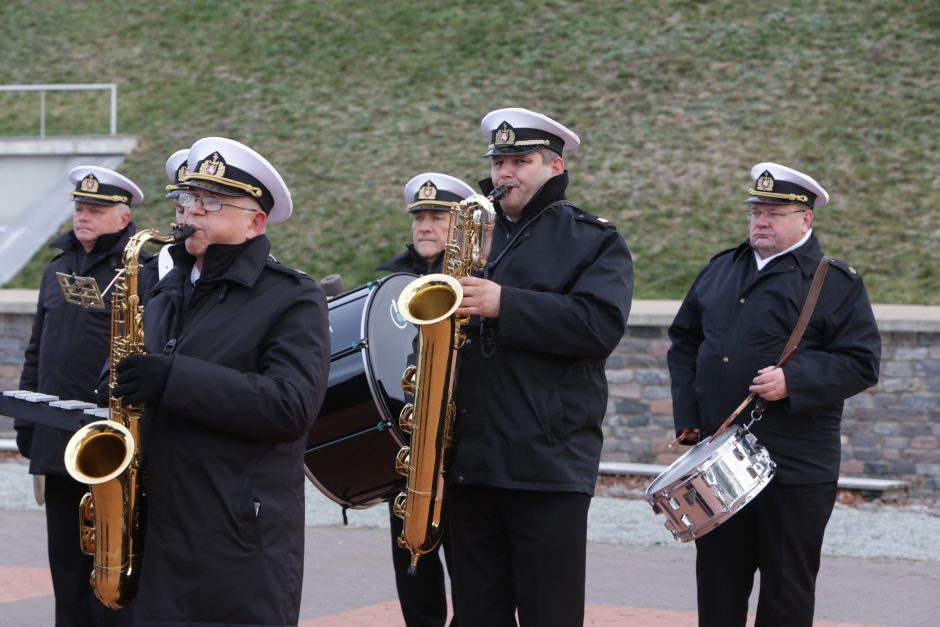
(239, 263)
(105, 243)
(806, 256)
(411, 259)
(552, 191)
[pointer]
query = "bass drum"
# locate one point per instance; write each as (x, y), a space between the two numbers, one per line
(352, 446)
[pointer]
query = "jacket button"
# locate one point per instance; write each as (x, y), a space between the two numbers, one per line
(459, 478)
(724, 360)
(742, 300)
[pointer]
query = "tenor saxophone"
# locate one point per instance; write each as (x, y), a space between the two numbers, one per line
(430, 303)
(105, 454)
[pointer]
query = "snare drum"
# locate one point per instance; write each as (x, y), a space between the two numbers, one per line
(710, 483)
(352, 446)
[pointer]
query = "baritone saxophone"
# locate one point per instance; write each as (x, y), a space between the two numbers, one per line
(105, 454)
(430, 302)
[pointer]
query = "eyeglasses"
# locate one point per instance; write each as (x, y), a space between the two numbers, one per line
(210, 204)
(753, 213)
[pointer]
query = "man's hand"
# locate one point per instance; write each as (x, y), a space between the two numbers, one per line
(142, 378)
(689, 436)
(480, 298)
(770, 384)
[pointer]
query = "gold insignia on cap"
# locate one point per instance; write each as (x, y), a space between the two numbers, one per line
(213, 166)
(504, 136)
(427, 191)
(765, 182)
(90, 184)
(182, 172)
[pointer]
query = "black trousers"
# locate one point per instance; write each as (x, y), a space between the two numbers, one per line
(422, 596)
(518, 550)
(780, 533)
(75, 601)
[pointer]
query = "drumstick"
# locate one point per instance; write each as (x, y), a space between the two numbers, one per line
(783, 359)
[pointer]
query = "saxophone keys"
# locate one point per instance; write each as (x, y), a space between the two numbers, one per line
(408, 379)
(403, 462)
(399, 508)
(406, 419)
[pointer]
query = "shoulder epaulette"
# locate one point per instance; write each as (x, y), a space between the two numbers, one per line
(274, 264)
(588, 218)
(849, 270)
(721, 254)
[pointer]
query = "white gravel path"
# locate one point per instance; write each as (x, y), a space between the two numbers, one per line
(869, 531)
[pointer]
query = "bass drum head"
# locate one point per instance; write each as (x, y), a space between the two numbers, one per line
(352, 446)
(391, 348)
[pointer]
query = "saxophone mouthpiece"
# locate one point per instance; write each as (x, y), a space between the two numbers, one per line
(179, 232)
(498, 193)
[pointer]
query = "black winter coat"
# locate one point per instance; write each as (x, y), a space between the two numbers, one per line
(532, 390)
(735, 321)
(223, 449)
(69, 343)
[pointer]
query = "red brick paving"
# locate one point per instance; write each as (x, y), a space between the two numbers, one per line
(17, 584)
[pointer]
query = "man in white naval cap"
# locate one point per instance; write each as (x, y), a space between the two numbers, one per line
(67, 348)
(235, 370)
(428, 197)
(550, 307)
(729, 332)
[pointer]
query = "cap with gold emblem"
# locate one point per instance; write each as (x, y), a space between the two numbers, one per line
(432, 191)
(517, 131)
(779, 185)
(101, 186)
(225, 166)
(175, 171)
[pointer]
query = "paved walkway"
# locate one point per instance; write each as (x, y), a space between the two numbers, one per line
(348, 583)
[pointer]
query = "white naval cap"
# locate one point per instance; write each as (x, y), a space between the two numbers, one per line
(101, 186)
(225, 166)
(517, 131)
(433, 191)
(777, 184)
(175, 171)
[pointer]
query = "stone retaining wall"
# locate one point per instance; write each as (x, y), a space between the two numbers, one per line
(890, 431)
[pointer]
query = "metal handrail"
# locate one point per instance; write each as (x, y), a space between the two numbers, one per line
(42, 89)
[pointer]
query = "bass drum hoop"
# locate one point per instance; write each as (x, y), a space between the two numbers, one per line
(374, 390)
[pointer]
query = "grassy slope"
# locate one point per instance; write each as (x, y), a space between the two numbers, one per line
(674, 101)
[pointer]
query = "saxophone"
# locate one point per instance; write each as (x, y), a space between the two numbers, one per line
(429, 302)
(105, 454)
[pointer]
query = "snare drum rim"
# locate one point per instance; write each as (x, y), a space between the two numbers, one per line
(730, 435)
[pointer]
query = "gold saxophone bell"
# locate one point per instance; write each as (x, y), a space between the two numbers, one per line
(430, 303)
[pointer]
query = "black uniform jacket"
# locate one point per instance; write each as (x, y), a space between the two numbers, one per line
(735, 321)
(223, 449)
(410, 261)
(532, 391)
(69, 343)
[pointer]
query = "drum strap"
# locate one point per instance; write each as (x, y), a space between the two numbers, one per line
(808, 306)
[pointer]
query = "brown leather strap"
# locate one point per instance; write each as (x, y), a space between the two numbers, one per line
(795, 336)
